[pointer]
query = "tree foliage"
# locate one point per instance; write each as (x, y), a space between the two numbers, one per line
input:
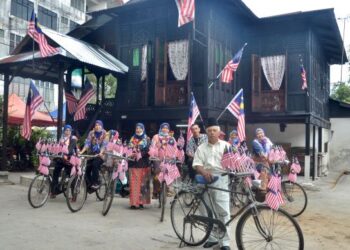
(341, 92)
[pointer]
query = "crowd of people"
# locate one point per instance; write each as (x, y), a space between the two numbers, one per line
(204, 153)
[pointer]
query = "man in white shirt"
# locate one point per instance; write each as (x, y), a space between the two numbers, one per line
(207, 162)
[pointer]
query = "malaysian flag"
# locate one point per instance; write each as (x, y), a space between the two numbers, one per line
(38, 36)
(186, 10)
(72, 102)
(236, 107)
(86, 95)
(303, 77)
(231, 66)
(34, 100)
(192, 116)
(274, 197)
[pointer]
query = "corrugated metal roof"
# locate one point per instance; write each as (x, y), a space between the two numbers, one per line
(87, 53)
(71, 48)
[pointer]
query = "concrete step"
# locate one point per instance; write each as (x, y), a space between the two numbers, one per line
(25, 180)
(4, 177)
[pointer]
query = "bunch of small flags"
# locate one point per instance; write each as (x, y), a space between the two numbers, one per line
(237, 160)
(47, 147)
(277, 154)
(274, 197)
(169, 172)
(295, 169)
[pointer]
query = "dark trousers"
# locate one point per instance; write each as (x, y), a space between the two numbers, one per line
(59, 165)
(191, 172)
(93, 166)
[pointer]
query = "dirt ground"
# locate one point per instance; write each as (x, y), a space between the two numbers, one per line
(325, 223)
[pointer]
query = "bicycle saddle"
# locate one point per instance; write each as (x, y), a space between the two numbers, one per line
(201, 180)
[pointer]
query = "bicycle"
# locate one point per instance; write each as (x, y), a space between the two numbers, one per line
(194, 221)
(163, 189)
(77, 187)
(112, 175)
(40, 186)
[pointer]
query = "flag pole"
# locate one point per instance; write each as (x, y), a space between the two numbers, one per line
(221, 114)
(49, 112)
(213, 81)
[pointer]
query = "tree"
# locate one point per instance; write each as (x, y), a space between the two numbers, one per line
(110, 86)
(341, 92)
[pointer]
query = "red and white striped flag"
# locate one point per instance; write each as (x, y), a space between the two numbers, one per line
(34, 100)
(236, 107)
(38, 36)
(274, 198)
(231, 66)
(192, 116)
(186, 9)
(86, 95)
(72, 102)
(170, 151)
(303, 77)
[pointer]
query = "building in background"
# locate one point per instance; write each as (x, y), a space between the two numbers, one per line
(59, 15)
(95, 5)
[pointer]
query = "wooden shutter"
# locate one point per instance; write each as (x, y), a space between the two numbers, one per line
(256, 82)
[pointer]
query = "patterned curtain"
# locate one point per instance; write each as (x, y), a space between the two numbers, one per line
(144, 63)
(178, 58)
(274, 67)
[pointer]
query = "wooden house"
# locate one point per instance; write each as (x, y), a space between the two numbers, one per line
(144, 35)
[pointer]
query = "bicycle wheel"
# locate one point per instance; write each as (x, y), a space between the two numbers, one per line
(102, 190)
(39, 190)
(108, 200)
(263, 228)
(295, 198)
(238, 197)
(76, 193)
(162, 200)
(190, 231)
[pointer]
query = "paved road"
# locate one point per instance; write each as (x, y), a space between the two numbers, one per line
(326, 223)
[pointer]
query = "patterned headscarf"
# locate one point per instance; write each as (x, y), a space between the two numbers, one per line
(164, 124)
(140, 125)
(140, 140)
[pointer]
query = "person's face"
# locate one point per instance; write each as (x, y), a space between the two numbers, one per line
(139, 130)
(260, 135)
(98, 127)
(195, 130)
(165, 130)
(233, 136)
(67, 132)
(213, 133)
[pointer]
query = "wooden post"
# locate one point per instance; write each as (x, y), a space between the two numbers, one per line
(60, 101)
(307, 150)
(103, 89)
(98, 78)
(313, 167)
(5, 120)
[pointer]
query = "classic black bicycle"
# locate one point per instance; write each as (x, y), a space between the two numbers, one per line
(258, 227)
(77, 188)
(40, 187)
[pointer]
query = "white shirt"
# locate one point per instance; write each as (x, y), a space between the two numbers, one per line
(209, 155)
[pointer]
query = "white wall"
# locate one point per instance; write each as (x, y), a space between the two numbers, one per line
(294, 133)
(340, 143)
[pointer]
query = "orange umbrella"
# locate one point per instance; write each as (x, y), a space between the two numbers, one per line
(16, 112)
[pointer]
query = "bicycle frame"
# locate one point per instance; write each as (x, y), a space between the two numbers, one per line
(251, 204)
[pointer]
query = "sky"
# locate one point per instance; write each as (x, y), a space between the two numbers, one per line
(263, 8)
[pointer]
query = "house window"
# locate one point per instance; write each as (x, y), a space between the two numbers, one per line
(47, 18)
(2, 34)
(136, 57)
(22, 8)
(64, 20)
(14, 41)
(264, 99)
(78, 4)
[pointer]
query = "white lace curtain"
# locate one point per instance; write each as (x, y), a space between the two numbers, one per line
(178, 58)
(144, 63)
(274, 67)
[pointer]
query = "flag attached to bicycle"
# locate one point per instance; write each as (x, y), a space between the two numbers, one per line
(231, 66)
(236, 107)
(86, 95)
(35, 32)
(186, 9)
(192, 116)
(34, 100)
